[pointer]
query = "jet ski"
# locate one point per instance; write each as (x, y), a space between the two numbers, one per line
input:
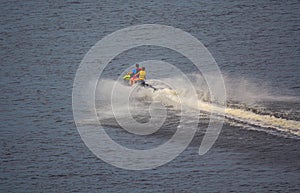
(127, 77)
(142, 83)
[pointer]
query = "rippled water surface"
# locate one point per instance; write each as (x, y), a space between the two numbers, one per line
(255, 43)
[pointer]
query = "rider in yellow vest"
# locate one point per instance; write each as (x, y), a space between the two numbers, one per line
(141, 75)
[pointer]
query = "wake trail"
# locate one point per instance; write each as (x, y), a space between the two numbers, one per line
(180, 97)
(240, 115)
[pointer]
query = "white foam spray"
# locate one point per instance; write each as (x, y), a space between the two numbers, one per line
(240, 91)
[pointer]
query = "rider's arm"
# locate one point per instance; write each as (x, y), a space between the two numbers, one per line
(136, 75)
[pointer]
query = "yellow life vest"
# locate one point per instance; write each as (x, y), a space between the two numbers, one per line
(142, 75)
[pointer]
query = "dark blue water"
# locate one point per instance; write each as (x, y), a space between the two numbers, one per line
(42, 43)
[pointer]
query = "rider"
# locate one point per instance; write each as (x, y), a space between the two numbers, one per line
(140, 76)
(136, 70)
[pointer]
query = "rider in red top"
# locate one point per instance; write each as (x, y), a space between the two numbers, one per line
(134, 74)
(136, 70)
